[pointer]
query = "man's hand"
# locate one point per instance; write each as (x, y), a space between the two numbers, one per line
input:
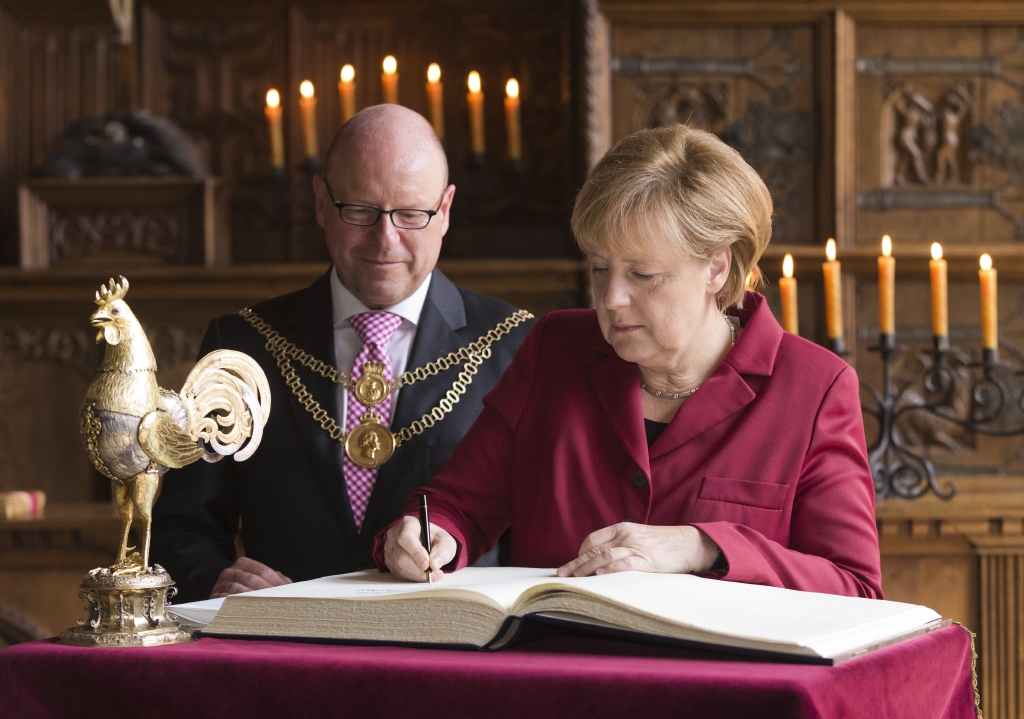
(246, 575)
(639, 547)
(405, 556)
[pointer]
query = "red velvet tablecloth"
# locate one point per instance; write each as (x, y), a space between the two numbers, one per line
(929, 676)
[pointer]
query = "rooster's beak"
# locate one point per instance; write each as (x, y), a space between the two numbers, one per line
(99, 318)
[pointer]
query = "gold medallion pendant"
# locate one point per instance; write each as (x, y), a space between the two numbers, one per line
(371, 388)
(371, 444)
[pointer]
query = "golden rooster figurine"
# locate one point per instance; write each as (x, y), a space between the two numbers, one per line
(135, 431)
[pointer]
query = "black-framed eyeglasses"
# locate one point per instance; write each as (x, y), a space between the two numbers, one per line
(367, 215)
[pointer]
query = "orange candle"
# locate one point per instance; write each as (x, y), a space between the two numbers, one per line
(273, 113)
(940, 293)
(475, 100)
(435, 98)
(989, 318)
(389, 80)
(886, 289)
(307, 103)
(347, 93)
(787, 288)
(515, 140)
(833, 293)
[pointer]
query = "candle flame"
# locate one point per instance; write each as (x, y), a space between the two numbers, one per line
(512, 88)
(886, 245)
(986, 262)
(787, 265)
(306, 89)
(390, 65)
(830, 250)
(474, 81)
(433, 72)
(348, 73)
(936, 251)
(750, 278)
(273, 98)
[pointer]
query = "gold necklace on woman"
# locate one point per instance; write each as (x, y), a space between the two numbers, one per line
(683, 395)
(371, 444)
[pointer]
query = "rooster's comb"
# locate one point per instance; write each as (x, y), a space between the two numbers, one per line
(112, 291)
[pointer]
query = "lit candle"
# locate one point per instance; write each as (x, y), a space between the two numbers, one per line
(833, 293)
(475, 98)
(273, 113)
(308, 105)
(515, 141)
(435, 97)
(940, 306)
(787, 288)
(886, 289)
(989, 318)
(389, 80)
(347, 93)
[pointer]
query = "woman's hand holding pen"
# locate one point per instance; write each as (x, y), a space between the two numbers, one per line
(405, 556)
(640, 547)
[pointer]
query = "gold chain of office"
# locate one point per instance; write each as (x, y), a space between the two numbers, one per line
(370, 444)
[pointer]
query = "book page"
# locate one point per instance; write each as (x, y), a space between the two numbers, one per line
(198, 614)
(825, 623)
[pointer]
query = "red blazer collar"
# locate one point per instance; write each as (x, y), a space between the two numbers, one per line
(756, 348)
(723, 394)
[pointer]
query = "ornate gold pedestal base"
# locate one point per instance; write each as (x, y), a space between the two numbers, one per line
(126, 610)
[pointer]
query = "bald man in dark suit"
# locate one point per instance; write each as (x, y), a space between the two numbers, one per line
(306, 508)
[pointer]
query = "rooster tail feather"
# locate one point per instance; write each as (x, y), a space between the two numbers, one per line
(228, 401)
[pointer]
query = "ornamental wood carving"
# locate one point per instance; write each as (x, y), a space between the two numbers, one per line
(926, 141)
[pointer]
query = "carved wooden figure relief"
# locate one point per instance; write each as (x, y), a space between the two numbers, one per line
(923, 139)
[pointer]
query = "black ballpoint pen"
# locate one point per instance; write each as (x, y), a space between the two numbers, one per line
(425, 531)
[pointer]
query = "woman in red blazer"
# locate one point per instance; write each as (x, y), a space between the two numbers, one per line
(655, 433)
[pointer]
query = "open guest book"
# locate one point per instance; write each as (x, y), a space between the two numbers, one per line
(484, 608)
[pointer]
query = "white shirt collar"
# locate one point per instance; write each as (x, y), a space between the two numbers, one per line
(345, 304)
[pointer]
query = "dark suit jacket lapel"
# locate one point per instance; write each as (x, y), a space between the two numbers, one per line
(728, 389)
(436, 334)
(312, 329)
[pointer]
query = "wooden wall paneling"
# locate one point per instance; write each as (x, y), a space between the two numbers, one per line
(1000, 107)
(54, 73)
(1000, 646)
(844, 134)
(153, 94)
(8, 144)
(597, 82)
(209, 72)
(881, 125)
(758, 89)
(844, 151)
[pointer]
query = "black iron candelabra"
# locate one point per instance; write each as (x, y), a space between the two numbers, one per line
(994, 393)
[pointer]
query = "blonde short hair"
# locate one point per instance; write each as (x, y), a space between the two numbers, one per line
(681, 186)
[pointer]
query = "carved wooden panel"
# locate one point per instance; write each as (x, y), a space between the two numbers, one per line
(752, 86)
(51, 74)
(209, 74)
(940, 121)
(1002, 615)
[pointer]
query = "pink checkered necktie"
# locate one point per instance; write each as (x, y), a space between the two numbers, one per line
(375, 329)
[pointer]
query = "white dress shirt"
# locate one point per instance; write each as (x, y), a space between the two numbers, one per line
(347, 342)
